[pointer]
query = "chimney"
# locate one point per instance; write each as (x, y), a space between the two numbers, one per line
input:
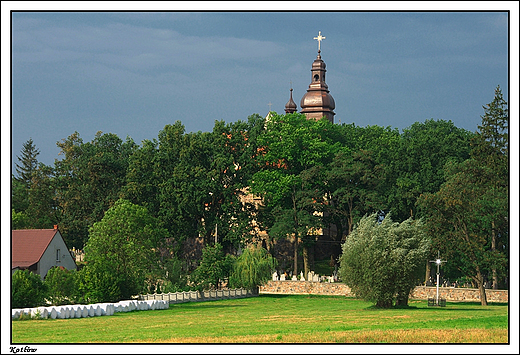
(55, 227)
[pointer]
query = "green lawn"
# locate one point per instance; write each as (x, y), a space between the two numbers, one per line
(277, 318)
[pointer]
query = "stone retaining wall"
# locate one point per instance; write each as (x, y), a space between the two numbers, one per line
(421, 292)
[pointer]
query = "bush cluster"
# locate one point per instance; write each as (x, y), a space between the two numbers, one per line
(61, 286)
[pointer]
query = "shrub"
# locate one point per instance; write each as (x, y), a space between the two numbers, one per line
(27, 290)
(61, 285)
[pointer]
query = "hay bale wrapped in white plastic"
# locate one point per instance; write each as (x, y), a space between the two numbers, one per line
(39, 312)
(106, 309)
(84, 311)
(111, 309)
(15, 313)
(26, 312)
(151, 304)
(53, 314)
(60, 312)
(67, 310)
(97, 310)
(77, 311)
(91, 310)
(128, 305)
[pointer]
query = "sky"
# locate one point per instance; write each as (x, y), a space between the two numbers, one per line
(132, 73)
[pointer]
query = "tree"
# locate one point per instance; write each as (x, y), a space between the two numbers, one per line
(27, 289)
(20, 220)
(193, 182)
(292, 154)
(214, 267)
(28, 162)
(121, 253)
(88, 181)
(381, 261)
(418, 166)
(43, 208)
(353, 180)
(252, 268)
(470, 211)
(21, 183)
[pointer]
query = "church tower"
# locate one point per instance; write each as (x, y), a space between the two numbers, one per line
(290, 106)
(317, 101)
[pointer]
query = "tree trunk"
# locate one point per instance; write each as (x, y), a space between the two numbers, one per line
(482, 290)
(295, 254)
(384, 304)
(305, 260)
(493, 248)
(428, 272)
(402, 300)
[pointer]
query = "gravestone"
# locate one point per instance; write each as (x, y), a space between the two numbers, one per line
(282, 277)
(301, 276)
(275, 276)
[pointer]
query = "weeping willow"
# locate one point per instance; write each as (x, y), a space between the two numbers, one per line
(253, 268)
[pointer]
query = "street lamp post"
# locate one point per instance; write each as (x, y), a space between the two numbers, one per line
(438, 261)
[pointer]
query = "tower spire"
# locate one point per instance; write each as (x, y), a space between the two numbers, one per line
(290, 106)
(317, 101)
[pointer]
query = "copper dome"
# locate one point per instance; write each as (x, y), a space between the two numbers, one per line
(317, 101)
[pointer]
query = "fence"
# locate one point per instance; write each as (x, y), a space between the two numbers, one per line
(451, 294)
(195, 296)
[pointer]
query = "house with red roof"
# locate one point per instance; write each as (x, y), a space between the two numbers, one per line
(38, 250)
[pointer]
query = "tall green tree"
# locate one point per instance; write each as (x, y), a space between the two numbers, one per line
(33, 191)
(353, 179)
(491, 149)
(43, 209)
(293, 152)
(382, 261)
(468, 217)
(194, 182)
(21, 182)
(419, 164)
(88, 181)
(121, 253)
(28, 162)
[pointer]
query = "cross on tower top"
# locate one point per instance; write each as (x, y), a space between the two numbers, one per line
(319, 39)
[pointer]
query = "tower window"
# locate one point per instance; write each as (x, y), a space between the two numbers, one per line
(316, 77)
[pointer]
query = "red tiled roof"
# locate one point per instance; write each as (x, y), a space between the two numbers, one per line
(28, 245)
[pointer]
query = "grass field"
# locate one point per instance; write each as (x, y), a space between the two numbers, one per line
(279, 319)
